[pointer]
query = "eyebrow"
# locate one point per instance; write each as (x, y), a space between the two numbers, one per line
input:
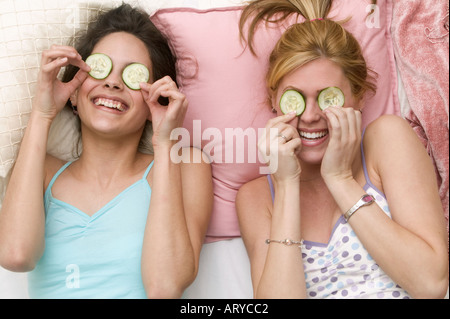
(126, 64)
(300, 91)
(130, 63)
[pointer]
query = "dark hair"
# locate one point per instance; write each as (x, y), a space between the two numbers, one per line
(136, 22)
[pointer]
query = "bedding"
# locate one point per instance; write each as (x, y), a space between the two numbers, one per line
(420, 31)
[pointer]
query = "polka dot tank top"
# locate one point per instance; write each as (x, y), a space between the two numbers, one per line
(343, 268)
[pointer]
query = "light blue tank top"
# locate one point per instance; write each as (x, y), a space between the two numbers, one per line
(96, 256)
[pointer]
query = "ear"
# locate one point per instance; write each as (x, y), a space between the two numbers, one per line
(74, 98)
(272, 103)
(360, 104)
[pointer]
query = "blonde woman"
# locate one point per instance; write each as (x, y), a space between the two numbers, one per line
(347, 214)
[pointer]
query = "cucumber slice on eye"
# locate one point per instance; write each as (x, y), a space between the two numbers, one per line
(292, 101)
(332, 96)
(134, 74)
(101, 65)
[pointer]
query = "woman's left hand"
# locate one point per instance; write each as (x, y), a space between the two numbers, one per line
(164, 118)
(345, 137)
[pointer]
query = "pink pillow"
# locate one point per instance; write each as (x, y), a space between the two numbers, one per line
(374, 36)
(225, 86)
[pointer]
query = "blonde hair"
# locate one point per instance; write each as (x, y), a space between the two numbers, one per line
(317, 37)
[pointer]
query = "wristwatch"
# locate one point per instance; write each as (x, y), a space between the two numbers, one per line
(365, 200)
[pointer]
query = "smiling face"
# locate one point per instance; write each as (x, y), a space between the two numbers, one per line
(108, 106)
(312, 125)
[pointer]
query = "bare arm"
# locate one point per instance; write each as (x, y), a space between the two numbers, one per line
(277, 269)
(179, 209)
(22, 216)
(411, 247)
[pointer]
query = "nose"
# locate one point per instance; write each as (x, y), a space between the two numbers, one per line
(113, 81)
(312, 112)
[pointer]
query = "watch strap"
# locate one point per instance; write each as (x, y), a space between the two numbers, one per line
(365, 200)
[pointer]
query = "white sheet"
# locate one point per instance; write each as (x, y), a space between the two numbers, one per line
(224, 272)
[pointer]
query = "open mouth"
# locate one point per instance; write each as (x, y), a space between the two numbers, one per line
(112, 104)
(313, 135)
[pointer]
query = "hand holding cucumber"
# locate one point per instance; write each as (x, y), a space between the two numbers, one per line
(345, 138)
(51, 93)
(280, 144)
(164, 118)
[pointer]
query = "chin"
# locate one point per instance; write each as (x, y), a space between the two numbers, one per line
(312, 158)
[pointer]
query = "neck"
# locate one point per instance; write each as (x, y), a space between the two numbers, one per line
(311, 172)
(108, 156)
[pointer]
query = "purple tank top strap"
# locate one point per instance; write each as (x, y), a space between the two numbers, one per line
(272, 191)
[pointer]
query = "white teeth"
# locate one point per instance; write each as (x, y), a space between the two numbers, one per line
(313, 136)
(109, 103)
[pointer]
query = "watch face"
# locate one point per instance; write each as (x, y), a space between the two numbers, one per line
(367, 199)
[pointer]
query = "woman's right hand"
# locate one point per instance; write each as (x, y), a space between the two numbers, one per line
(51, 93)
(280, 145)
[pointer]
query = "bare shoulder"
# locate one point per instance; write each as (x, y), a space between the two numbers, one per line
(257, 185)
(52, 165)
(254, 210)
(391, 134)
(395, 156)
(254, 196)
(390, 127)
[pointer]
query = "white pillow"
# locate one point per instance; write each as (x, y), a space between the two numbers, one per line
(28, 28)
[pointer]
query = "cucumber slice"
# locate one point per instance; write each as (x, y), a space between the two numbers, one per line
(134, 74)
(292, 101)
(101, 65)
(332, 96)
